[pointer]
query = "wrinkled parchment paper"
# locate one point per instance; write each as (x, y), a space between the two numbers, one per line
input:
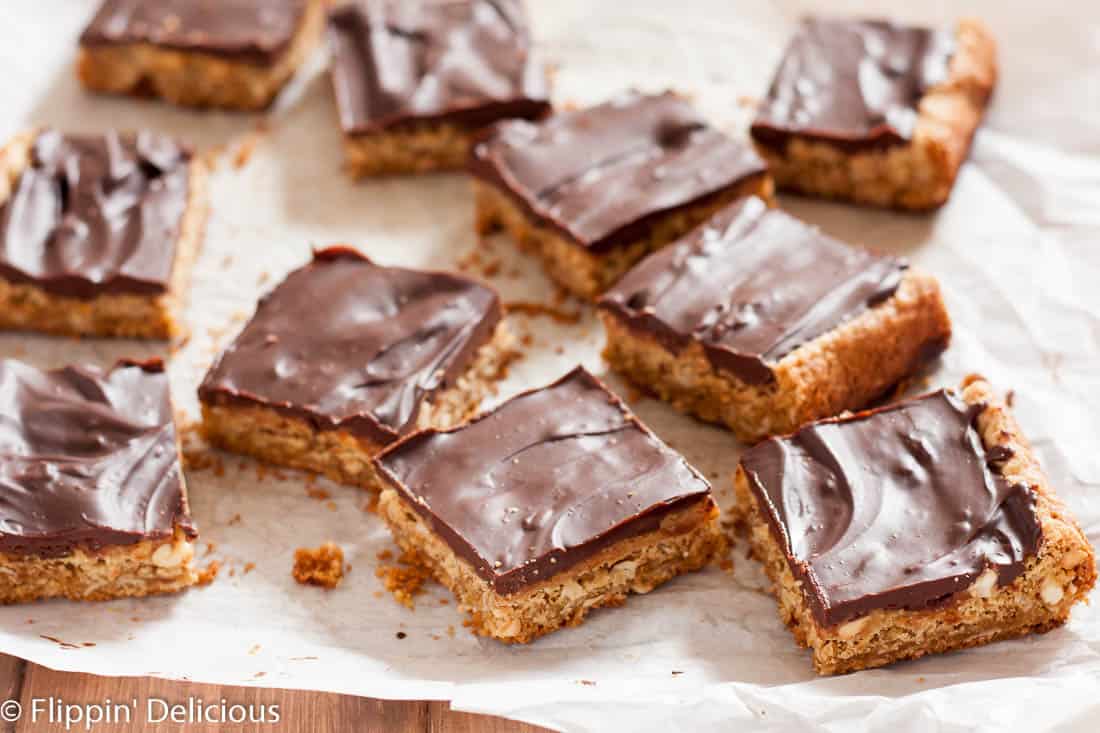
(1017, 250)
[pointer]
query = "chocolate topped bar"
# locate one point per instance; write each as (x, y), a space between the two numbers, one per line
(852, 83)
(255, 31)
(751, 284)
(601, 176)
(87, 458)
(894, 508)
(345, 343)
(96, 214)
(543, 482)
(466, 62)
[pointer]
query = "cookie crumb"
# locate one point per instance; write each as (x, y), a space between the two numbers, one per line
(322, 566)
(207, 574)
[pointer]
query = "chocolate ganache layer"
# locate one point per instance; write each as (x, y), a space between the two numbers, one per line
(87, 459)
(465, 62)
(543, 482)
(92, 215)
(348, 344)
(602, 176)
(253, 31)
(896, 508)
(855, 84)
(751, 284)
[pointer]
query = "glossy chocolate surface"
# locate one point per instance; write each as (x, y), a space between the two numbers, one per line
(601, 176)
(98, 214)
(854, 84)
(465, 62)
(751, 284)
(897, 508)
(348, 344)
(255, 31)
(543, 482)
(87, 458)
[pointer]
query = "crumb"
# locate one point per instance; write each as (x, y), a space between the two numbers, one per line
(247, 147)
(676, 672)
(587, 683)
(384, 555)
(726, 565)
(210, 547)
(444, 601)
(406, 579)
(491, 269)
(379, 594)
(227, 262)
(527, 339)
(331, 506)
(747, 101)
(541, 309)
(255, 648)
(633, 394)
(559, 350)
(235, 519)
(264, 277)
(232, 572)
(203, 460)
(323, 566)
(258, 675)
(135, 619)
(207, 574)
(401, 635)
(248, 568)
(451, 631)
(1010, 397)
(30, 621)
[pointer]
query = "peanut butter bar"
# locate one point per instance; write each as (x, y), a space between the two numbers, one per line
(235, 54)
(910, 530)
(875, 112)
(557, 502)
(345, 356)
(593, 191)
(415, 80)
(98, 233)
(92, 500)
(762, 323)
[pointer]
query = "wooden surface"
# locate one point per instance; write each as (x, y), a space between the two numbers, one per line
(299, 711)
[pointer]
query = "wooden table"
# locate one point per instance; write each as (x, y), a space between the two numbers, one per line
(300, 711)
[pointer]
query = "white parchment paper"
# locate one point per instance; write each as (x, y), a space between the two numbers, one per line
(1017, 250)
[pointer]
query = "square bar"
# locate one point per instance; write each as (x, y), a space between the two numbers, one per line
(345, 356)
(414, 81)
(98, 233)
(92, 500)
(874, 112)
(557, 502)
(760, 322)
(593, 191)
(234, 54)
(913, 529)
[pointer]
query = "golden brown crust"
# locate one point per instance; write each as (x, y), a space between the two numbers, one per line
(145, 568)
(579, 271)
(27, 307)
(424, 148)
(194, 79)
(1040, 599)
(843, 369)
(687, 540)
(917, 176)
(270, 436)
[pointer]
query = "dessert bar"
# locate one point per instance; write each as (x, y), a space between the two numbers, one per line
(92, 500)
(235, 54)
(557, 502)
(414, 81)
(911, 530)
(760, 322)
(875, 112)
(98, 233)
(344, 356)
(593, 191)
